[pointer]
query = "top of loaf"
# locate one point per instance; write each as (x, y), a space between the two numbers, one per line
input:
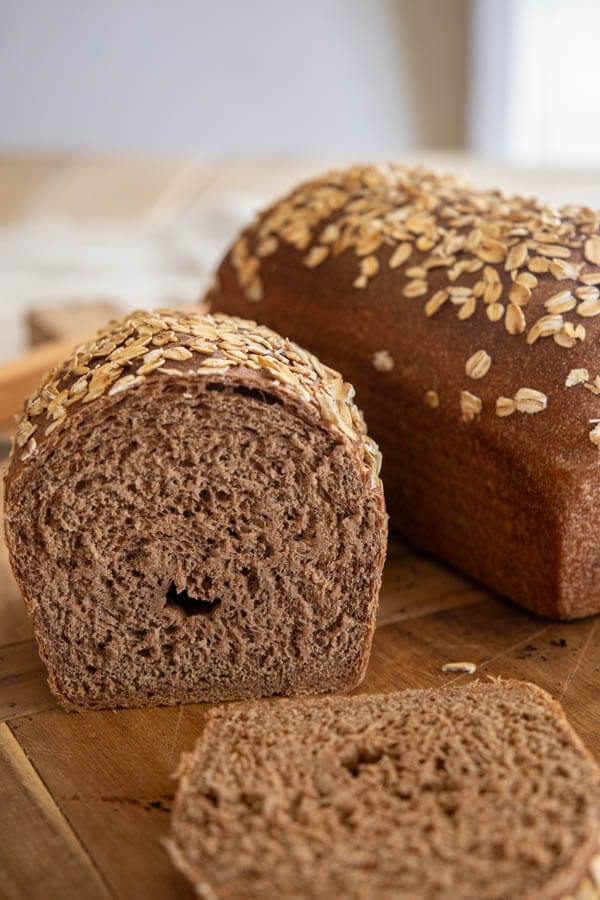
(534, 269)
(169, 343)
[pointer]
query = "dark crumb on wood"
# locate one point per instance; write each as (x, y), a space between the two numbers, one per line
(561, 642)
(158, 804)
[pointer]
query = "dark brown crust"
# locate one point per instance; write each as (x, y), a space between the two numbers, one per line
(513, 501)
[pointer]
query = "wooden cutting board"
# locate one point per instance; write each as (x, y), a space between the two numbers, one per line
(85, 798)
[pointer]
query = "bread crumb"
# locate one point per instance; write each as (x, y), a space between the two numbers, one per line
(467, 667)
(432, 399)
(382, 361)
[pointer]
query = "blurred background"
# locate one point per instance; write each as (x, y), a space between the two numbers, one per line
(137, 135)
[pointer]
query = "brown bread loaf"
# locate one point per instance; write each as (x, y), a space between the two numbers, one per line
(472, 793)
(193, 512)
(468, 323)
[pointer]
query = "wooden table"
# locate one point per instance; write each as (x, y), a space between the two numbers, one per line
(84, 798)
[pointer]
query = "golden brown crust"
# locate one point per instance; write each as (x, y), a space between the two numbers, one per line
(468, 323)
(170, 343)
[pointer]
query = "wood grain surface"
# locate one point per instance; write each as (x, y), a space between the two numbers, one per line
(85, 798)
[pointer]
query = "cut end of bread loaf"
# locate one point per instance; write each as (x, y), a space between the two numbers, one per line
(193, 512)
(479, 792)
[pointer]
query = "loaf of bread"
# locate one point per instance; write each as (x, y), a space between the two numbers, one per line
(470, 793)
(193, 512)
(468, 323)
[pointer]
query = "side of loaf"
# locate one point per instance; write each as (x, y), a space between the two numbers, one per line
(193, 512)
(475, 793)
(469, 324)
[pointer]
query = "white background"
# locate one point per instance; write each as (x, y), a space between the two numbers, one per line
(234, 77)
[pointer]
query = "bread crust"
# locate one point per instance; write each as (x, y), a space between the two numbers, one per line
(468, 324)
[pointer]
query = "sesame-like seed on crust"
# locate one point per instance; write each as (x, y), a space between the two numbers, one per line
(593, 386)
(562, 270)
(538, 265)
(529, 400)
(435, 302)
(505, 406)
(588, 308)
(467, 309)
(569, 335)
(514, 320)
(577, 376)
(255, 290)
(545, 326)
(478, 365)
(526, 400)
(177, 353)
(316, 256)
(519, 293)
(526, 278)
(470, 406)
(495, 312)
(587, 292)
(591, 250)
(400, 255)
(432, 399)
(590, 278)
(517, 256)
(561, 302)
(492, 291)
(415, 288)
(267, 246)
(382, 361)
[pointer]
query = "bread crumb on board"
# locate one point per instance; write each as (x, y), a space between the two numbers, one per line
(467, 667)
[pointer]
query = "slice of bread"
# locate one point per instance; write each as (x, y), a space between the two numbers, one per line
(474, 792)
(193, 513)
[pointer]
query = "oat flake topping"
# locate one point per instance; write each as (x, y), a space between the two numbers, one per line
(169, 343)
(491, 248)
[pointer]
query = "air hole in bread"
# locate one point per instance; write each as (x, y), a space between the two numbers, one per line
(245, 391)
(257, 394)
(191, 606)
(356, 758)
